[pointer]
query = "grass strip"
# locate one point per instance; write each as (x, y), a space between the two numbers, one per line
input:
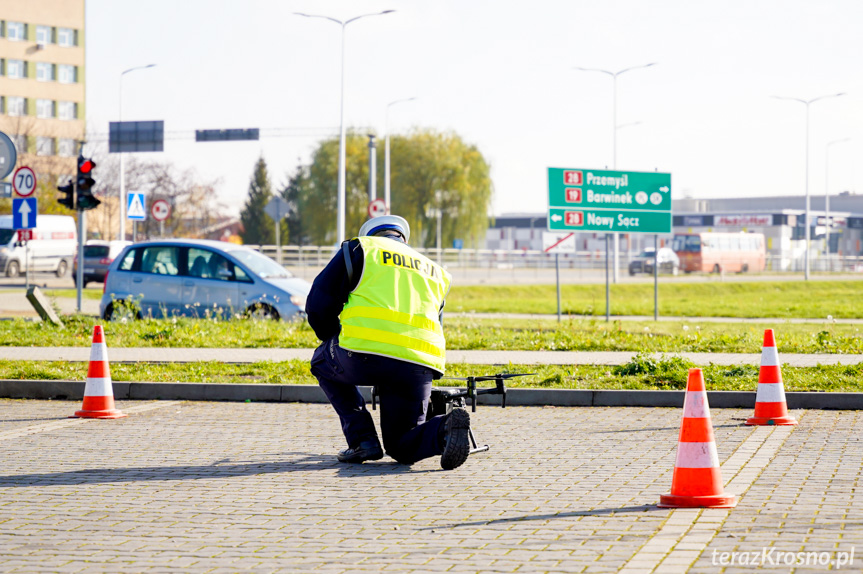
(712, 298)
(642, 373)
(462, 333)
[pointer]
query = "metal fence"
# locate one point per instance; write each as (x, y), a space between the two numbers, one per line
(314, 258)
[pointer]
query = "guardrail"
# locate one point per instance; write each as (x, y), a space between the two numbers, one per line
(316, 257)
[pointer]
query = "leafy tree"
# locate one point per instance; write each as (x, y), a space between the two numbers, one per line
(294, 226)
(258, 228)
(429, 170)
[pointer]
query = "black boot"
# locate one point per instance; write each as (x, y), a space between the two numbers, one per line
(457, 446)
(366, 450)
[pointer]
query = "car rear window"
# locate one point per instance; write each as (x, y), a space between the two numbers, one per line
(128, 260)
(96, 250)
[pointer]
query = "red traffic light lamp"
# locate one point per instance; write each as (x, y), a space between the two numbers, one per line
(85, 183)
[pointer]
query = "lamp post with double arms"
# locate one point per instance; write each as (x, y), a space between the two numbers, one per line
(807, 217)
(122, 231)
(340, 200)
(614, 126)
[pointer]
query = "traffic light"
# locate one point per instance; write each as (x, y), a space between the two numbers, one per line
(85, 182)
(68, 190)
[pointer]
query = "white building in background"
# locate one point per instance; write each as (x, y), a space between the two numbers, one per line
(780, 219)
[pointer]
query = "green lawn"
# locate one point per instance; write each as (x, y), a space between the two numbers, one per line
(584, 329)
(729, 298)
(572, 334)
(781, 299)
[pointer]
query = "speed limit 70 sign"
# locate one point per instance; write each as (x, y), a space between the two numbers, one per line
(24, 181)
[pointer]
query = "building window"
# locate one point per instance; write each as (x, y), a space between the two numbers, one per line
(66, 148)
(67, 110)
(16, 69)
(66, 74)
(43, 35)
(44, 72)
(45, 109)
(20, 143)
(16, 106)
(44, 146)
(16, 31)
(65, 37)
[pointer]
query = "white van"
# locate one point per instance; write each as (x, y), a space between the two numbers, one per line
(54, 243)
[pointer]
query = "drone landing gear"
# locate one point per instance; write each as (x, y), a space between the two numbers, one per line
(443, 400)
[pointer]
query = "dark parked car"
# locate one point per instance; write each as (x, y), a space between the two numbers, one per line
(643, 263)
(98, 256)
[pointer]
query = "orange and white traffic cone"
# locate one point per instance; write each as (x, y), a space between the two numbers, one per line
(98, 393)
(770, 405)
(697, 480)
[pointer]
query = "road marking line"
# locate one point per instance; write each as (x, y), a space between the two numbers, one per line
(54, 425)
(687, 531)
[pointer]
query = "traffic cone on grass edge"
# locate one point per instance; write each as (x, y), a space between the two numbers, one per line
(770, 405)
(98, 393)
(697, 480)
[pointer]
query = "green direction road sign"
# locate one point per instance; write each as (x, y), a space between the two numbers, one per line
(609, 201)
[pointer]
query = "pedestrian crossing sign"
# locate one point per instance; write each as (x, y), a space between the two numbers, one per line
(135, 206)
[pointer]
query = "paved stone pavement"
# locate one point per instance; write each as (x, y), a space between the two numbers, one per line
(229, 487)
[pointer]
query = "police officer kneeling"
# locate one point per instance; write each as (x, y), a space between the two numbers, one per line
(377, 309)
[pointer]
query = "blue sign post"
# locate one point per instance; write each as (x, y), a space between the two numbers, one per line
(24, 211)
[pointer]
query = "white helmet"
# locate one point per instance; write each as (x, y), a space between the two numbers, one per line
(377, 224)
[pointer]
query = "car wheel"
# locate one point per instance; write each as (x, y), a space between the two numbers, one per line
(13, 269)
(745, 268)
(717, 269)
(121, 311)
(62, 267)
(262, 312)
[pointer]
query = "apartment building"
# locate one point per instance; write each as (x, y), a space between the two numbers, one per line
(42, 91)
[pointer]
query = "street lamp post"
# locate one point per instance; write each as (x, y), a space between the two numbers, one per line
(615, 127)
(827, 222)
(122, 232)
(340, 226)
(373, 176)
(387, 150)
(806, 217)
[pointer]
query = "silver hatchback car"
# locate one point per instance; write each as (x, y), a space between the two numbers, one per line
(200, 278)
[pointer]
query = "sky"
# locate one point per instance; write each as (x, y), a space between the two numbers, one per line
(502, 75)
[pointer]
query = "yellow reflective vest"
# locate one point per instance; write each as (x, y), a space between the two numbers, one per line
(394, 310)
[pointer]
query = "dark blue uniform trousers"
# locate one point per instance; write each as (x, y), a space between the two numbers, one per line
(404, 390)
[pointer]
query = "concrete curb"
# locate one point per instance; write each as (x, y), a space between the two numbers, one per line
(74, 390)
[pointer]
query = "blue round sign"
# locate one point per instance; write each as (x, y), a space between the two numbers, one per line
(8, 155)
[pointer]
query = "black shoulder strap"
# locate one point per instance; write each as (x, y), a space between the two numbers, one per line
(350, 266)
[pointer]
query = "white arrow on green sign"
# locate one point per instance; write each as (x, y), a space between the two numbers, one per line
(608, 201)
